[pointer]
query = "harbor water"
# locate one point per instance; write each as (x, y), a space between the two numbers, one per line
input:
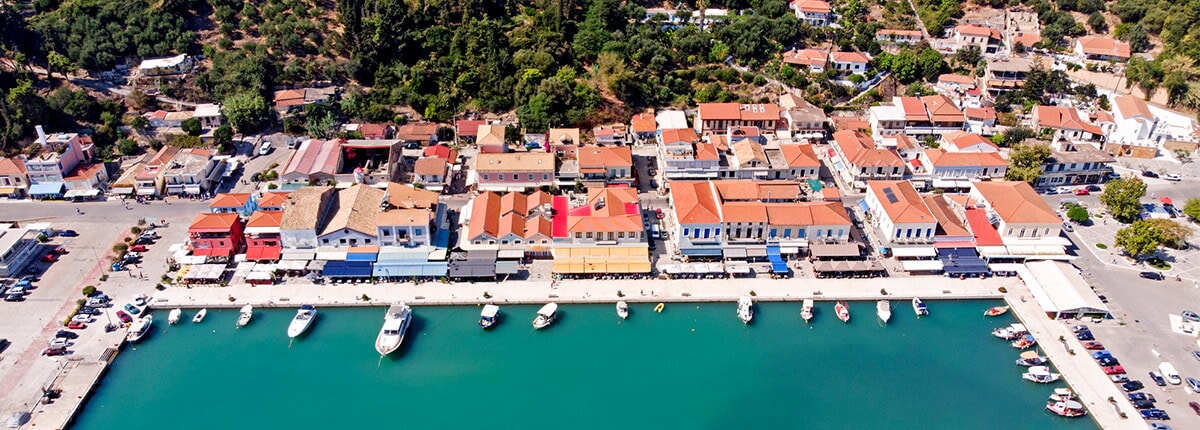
(692, 366)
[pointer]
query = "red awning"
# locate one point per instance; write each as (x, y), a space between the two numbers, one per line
(211, 252)
(263, 253)
(916, 163)
(1166, 201)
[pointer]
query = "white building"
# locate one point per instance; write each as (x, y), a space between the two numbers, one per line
(900, 214)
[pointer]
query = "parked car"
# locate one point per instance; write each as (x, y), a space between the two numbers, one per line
(1172, 177)
(265, 148)
(1193, 383)
(60, 342)
(97, 303)
(139, 300)
(1190, 316)
(1151, 275)
(139, 248)
(1114, 370)
(658, 213)
(66, 334)
(1067, 227)
(1101, 354)
(1079, 328)
(49, 258)
(1087, 335)
(1143, 404)
(68, 233)
(76, 325)
(1141, 396)
(54, 351)
(59, 251)
(14, 297)
(88, 310)
(1082, 191)
(1149, 174)
(143, 241)
(133, 310)
(1196, 355)
(1159, 426)
(124, 317)
(1195, 407)
(1119, 378)
(1095, 188)
(1063, 190)
(1158, 379)
(1155, 414)
(1132, 386)
(150, 234)
(1108, 361)
(1051, 191)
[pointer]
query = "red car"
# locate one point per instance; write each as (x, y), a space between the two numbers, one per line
(59, 251)
(1114, 370)
(49, 258)
(1195, 407)
(54, 351)
(1094, 346)
(659, 213)
(76, 325)
(1082, 191)
(124, 317)
(138, 248)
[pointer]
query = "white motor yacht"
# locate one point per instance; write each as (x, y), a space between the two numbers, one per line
(395, 323)
(806, 312)
(174, 316)
(303, 319)
(622, 309)
(140, 328)
(745, 309)
(919, 307)
(546, 315)
(883, 308)
(244, 315)
(200, 316)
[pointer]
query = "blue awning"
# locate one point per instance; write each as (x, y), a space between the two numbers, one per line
(360, 256)
(701, 252)
(47, 189)
(347, 269)
(779, 267)
(407, 269)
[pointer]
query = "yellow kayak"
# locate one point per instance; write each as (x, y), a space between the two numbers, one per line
(659, 307)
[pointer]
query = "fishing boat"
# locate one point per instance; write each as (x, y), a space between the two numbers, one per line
(173, 317)
(489, 316)
(303, 319)
(883, 308)
(1030, 359)
(622, 309)
(140, 328)
(1061, 395)
(244, 315)
(546, 315)
(745, 309)
(1011, 332)
(659, 307)
(1025, 341)
(806, 312)
(919, 307)
(1040, 374)
(395, 323)
(1067, 408)
(996, 311)
(200, 316)
(843, 311)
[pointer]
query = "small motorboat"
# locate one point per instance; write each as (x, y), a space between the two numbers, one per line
(200, 316)
(244, 315)
(1011, 332)
(302, 321)
(1041, 375)
(745, 309)
(919, 307)
(546, 315)
(1030, 359)
(996, 311)
(140, 328)
(659, 307)
(623, 309)
(883, 308)
(1024, 342)
(1061, 395)
(843, 311)
(1066, 408)
(489, 316)
(806, 312)
(174, 316)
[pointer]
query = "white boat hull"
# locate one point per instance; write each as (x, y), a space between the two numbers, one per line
(622, 310)
(174, 316)
(199, 316)
(140, 329)
(300, 324)
(546, 316)
(245, 315)
(395, 324)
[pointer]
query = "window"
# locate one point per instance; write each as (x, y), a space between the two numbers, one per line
(706, 231)
(717, 233)
(839, 233)
(368, 241)
(500, 176)
(342, 241)
(504, 242)
(589, 235)
(685, 231)
(485, 176)
(418, 231)
(325, 241)
(545, 176)
(531, 176)
(908, 233)
(387, 232)
(897, 233)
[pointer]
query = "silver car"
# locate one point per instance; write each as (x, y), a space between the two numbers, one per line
(1190, 316)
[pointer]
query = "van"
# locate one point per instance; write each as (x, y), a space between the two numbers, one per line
(655, 232)
(1170, 373)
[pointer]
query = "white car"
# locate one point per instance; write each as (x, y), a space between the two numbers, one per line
(1172, 177)
(60, 342)
(1064, 190)
(83, 318)
(264, 148)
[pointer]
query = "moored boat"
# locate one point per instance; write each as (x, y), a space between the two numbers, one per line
(244, 315)
(806, 312)
(1025, 341)
(1061, 395)
(173, 317)
(140, 328)
(919, 307)
(659, 307)
(1040, 374)
(395, 323)
(303, 319)
(843, 311)
(200, 315)
(1030, 359)
(745, 309)
(546, 315)
(1067, 408)
(1011, 332)
(883, 309)
(622, 309)
(996, 311)
(489, 316)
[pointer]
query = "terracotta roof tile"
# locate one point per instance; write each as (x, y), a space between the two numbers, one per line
(12, 166)
(676, 135)
(1100, 45)
(939, 157)
(210, 222)
(643, 123)
(265, 219)
(409, 197)
(230, 200)
(1016, 202)
(605, 156)
(800, 155)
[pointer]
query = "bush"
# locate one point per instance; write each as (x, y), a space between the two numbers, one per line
(89, 290)
(120, 248)
(103, 277)
(1101, 246)
(136, 230)
(272, 186)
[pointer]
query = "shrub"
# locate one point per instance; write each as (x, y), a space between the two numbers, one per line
(136, 230)
(120, 248)
(103, 277)
(89, 290)
(272, 186)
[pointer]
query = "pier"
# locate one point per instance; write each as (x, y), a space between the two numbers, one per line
(77, 379)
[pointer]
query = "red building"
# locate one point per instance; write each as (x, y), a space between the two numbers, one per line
(262, 236)
(216, 235)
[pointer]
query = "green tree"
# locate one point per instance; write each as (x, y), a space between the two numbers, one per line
(128, 147)
(1078, 214)
(191, 126)
(1191, 208)
(1122, 197)
(223, 136)
(931, 63)
(1097, 23)
(246, 111)
(1139, 240)
(1025, 162)
(1171, 233)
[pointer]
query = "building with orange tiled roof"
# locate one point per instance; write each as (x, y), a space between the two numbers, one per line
(956, 170)
(987, 39)
(1065, 122)
(1102, 48)
(564, 142)
(916, 117)
(643, 127)
(512, 221)
(1075, 164)
(813, 60)
(1006, 74)
(740, 218)
(816, 13)
(981, 120)
(1134, 121)
(956, 82)
(272, 201)
(604, 235)
(13, 180)
(467, 129)
(229, 203)
(193, 172)
(682, 155)
(712, 118)
(1018, 212)
(857, 159)
(804, 120)
(849, 62)
(898, 37)
(604, 165)
(216, 236)
(968, 142)
(801, 160)
(431, 172)
(514, 171)
(610, 134)
(263, 242)
(900, 214)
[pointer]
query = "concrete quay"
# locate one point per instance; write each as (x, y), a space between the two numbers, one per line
(77, 379)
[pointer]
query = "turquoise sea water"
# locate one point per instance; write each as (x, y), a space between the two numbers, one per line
(693, 366)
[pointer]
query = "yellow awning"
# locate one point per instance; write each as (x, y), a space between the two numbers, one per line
(7, 190)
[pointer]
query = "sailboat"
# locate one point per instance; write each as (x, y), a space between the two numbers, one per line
(806, 312)
(883, 308)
